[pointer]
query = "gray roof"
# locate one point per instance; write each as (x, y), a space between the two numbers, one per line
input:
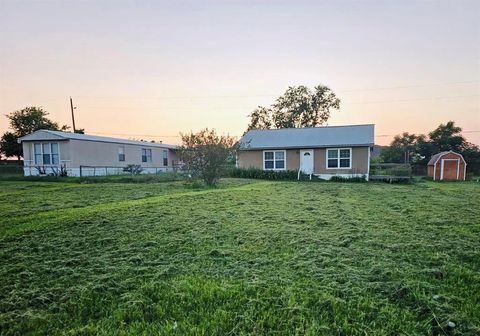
(437, 156)
(57, 135)
(325, 136)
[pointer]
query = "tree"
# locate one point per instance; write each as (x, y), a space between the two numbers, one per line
(9, 145)
(418, 149)
(23, 122)
(205, 154)
(447, 137)
(392, 154)
(31, 119)
(297, 107)
(261, 118)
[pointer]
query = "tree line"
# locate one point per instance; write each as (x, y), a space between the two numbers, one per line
(417, 149)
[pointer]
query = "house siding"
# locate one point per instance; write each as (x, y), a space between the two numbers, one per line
(360, 161)
(77, 153)
(92, 153)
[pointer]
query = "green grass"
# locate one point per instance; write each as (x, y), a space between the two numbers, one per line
(249, 257)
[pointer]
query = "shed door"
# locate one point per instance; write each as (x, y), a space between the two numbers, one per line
(306, 161)
(450, 169)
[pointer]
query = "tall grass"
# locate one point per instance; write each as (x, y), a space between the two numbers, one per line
(262, 258)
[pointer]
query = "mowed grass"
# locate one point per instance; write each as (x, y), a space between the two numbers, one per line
(250, 257)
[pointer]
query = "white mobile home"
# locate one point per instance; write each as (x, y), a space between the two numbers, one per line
(48, 152)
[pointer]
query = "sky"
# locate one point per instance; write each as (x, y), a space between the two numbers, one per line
(152, 69)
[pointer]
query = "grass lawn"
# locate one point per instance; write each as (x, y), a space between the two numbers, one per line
(250, 257)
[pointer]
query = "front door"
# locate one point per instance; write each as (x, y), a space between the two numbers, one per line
(306, 161)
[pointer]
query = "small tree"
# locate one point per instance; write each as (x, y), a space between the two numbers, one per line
(23, 122)
(205, 154)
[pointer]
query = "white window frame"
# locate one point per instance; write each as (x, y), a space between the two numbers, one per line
(274, 161)
(338, 158)
(121, 151)
(165, 156)
(41, 153)
(147, 156)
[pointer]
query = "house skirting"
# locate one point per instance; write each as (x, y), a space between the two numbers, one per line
(92, 171)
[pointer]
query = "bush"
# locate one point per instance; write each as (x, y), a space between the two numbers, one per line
(133, 169)
(255, 173)
(348, 179)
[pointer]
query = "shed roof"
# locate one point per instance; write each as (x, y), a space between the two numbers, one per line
(437, 156)
(57, 135)
(311, 137)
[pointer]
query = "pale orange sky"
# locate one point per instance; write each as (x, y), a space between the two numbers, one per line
(151, 70)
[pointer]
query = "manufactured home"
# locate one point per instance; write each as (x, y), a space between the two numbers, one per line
(322, 151)
(48, 152)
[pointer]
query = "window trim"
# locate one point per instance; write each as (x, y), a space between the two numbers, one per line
(50, 154)
(165, 158)
(274, 161)
(338, 158)
(151, 155)
(119, 154)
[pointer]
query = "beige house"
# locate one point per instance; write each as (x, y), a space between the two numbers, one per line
(323, 151)
(46, 152)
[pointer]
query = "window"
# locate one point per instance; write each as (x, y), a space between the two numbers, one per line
(55, 156)
(274, 160)
(339, 158)
(37, 149)
(46, 153)
(121, 153)
(146, 155)
(165, 157)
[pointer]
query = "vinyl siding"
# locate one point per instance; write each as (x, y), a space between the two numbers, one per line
(254, 159)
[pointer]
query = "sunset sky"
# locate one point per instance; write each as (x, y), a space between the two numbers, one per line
(150, 69)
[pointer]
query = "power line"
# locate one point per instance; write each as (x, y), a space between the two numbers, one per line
(178, 136)
(276, 95)
(345, 102)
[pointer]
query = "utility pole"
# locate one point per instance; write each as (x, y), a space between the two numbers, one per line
(73, 115)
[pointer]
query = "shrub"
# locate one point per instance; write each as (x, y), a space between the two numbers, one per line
(348, 179)
(133, 169)
(206, 154)
(255, 173)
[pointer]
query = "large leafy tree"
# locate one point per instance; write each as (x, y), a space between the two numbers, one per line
(205, 154)
(9, 146)
(299, 106)
(448, 137)
(23, 122)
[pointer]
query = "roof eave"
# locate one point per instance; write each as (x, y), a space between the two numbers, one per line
(300, 147)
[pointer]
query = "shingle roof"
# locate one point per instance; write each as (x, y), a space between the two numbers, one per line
(49, 135)
(326, 136)
(437, 156)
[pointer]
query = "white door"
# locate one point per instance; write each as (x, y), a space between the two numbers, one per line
(306, 161)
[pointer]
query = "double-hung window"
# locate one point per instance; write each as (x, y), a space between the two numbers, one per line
(165, 157)
(274, 160)
(46, 153)
(121, 153)
(146, 155)
(339, 158)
